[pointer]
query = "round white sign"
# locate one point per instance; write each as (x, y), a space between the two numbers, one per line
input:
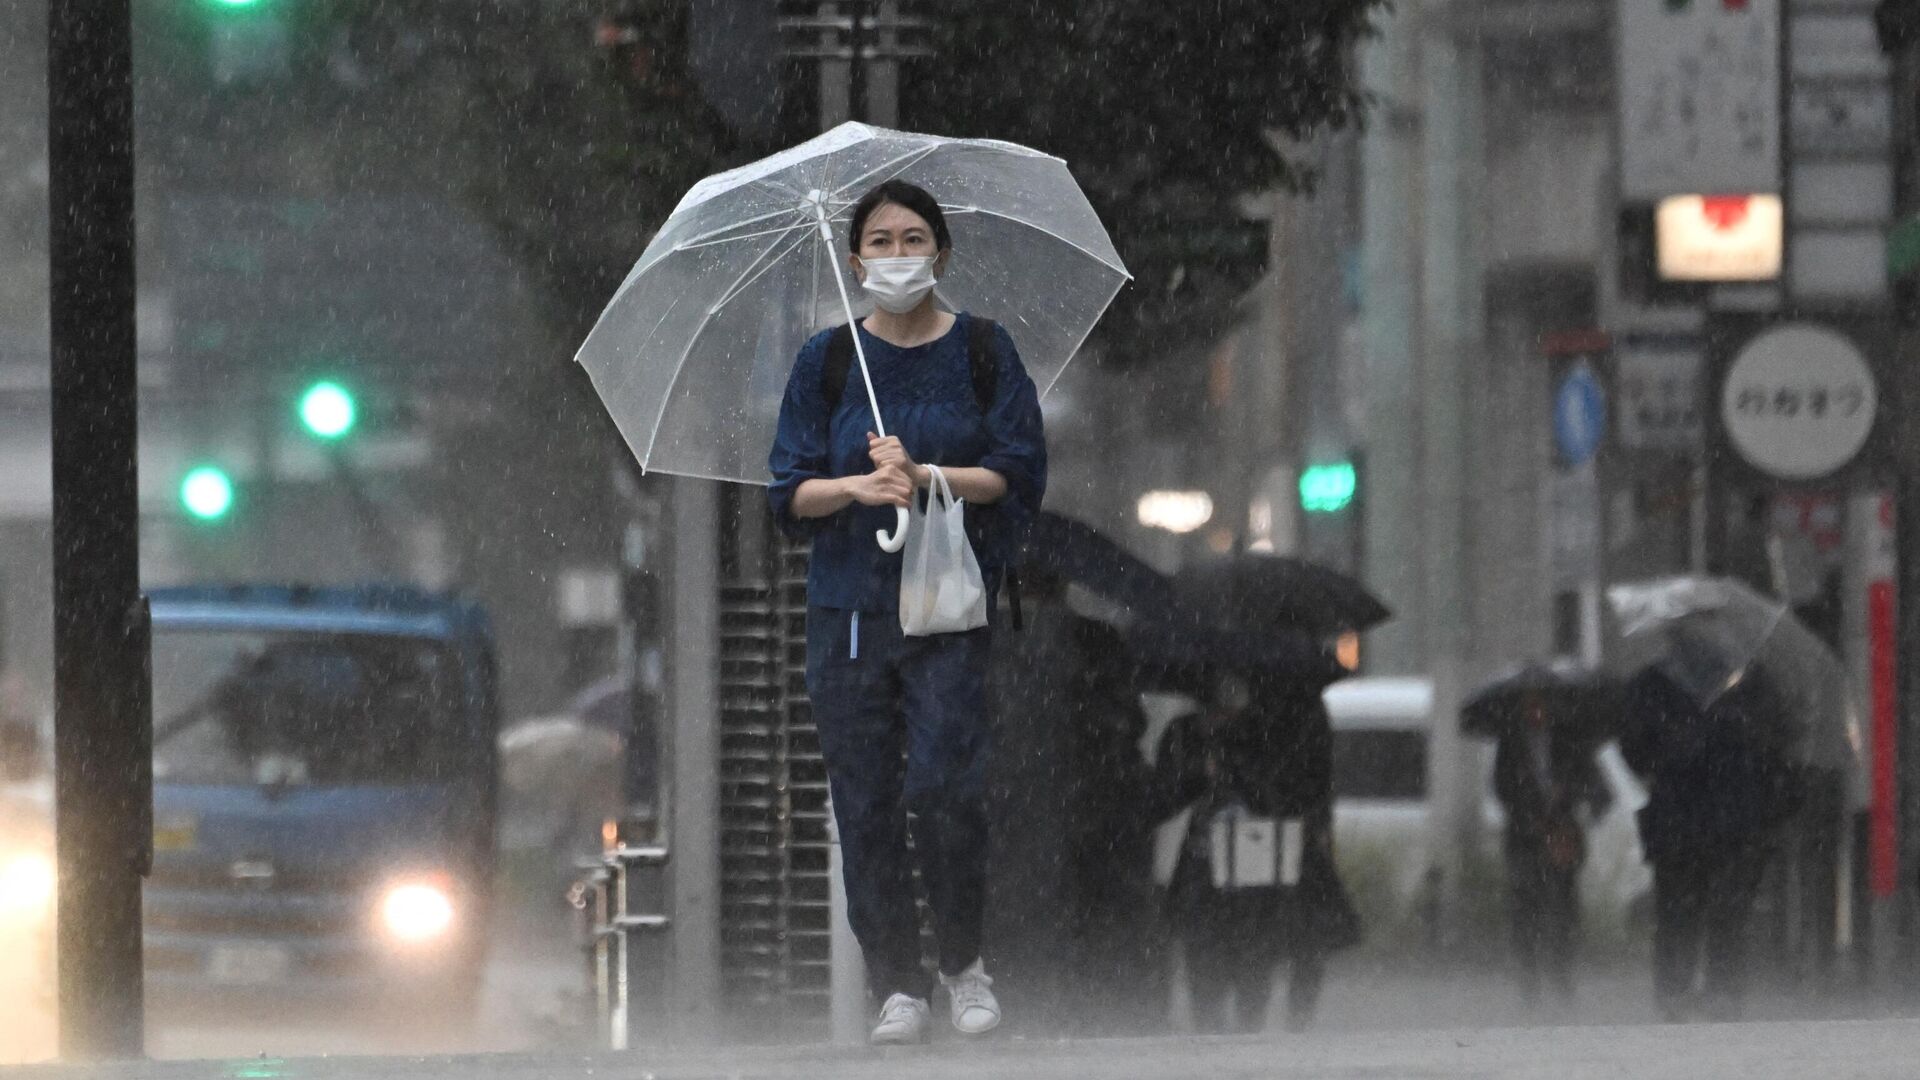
(1799, 401)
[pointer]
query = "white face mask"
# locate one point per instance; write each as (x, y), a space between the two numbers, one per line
(898, 285)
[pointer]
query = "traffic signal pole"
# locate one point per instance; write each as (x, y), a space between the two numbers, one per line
(102, 725)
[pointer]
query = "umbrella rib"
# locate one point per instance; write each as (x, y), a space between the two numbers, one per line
(693, 246)
(813, 278)
(701, 238)
(1101, 259)
(764, 264)
(706, 239)
(911, 158)
(1082, 339)
(664, 315)
(694, 338)
(647, 263)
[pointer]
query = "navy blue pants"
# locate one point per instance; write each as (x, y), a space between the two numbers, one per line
(903, 726)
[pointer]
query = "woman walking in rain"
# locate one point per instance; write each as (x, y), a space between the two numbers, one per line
(1255, 883)
(955, 395)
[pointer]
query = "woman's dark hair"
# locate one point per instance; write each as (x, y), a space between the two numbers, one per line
(910, 196)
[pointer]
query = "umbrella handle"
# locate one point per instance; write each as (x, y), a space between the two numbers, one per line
(818, 202)
(898, 540)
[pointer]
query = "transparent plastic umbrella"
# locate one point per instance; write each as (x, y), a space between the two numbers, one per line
(1711, 636)
(691, 356)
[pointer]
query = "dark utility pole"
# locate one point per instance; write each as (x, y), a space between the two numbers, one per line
(1898, 25)
(102, 724)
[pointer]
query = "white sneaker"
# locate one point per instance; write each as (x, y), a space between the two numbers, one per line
(903, 1019)
(975, 1010)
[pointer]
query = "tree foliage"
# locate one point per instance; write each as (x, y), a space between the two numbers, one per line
(1169, 115)
(573, 126)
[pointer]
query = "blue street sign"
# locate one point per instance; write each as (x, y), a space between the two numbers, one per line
(1579, 416)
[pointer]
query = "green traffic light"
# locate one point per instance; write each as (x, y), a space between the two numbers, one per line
(236, 3)
(207, 493)
(1325, 489)
(328, 410)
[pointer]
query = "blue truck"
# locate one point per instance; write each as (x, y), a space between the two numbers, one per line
(325, 791)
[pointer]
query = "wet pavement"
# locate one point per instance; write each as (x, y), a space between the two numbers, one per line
(1824, 1049)
(1381, 1017)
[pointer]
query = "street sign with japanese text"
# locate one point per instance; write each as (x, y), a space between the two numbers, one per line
(1699, 97)
(1850, 117)
(1799, 401)
(1659, 386)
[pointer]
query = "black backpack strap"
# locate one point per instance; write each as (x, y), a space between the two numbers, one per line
(984, 366)
(833, 374)
(985, 369)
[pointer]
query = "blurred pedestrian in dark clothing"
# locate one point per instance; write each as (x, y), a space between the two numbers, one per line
(1255, 881)
(1546, 778)
(1718, 798)
(1119, 942)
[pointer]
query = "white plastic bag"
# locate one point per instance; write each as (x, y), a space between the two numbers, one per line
(941, 590)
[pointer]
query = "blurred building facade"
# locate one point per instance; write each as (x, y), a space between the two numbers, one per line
(1535, 410)
(275, 253)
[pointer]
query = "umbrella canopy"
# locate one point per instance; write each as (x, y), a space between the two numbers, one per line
(1741, 659)
(1183, 653)
(1074, 551)
(549, 758)
(606, 704)
(1588, 703)
(691, 356)
(1275, 591)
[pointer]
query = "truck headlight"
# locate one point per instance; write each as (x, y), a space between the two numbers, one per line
(416, 912)
(26, 883)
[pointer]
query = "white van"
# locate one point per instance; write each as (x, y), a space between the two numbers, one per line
(1382, 828)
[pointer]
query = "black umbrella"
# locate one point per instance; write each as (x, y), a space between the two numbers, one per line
(1272, 591)
(1073, 551)
(1182, 652)
(1586, 702)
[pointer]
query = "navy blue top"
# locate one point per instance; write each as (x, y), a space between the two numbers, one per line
(927, 398)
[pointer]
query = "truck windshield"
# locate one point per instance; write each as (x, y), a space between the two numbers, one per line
(281, 709)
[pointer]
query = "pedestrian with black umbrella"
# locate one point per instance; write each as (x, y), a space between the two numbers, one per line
(1547, 725)
(1255, 882)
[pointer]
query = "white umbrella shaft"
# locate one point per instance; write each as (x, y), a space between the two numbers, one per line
(898, 540)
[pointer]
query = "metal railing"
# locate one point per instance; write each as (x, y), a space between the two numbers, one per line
(620, 901)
